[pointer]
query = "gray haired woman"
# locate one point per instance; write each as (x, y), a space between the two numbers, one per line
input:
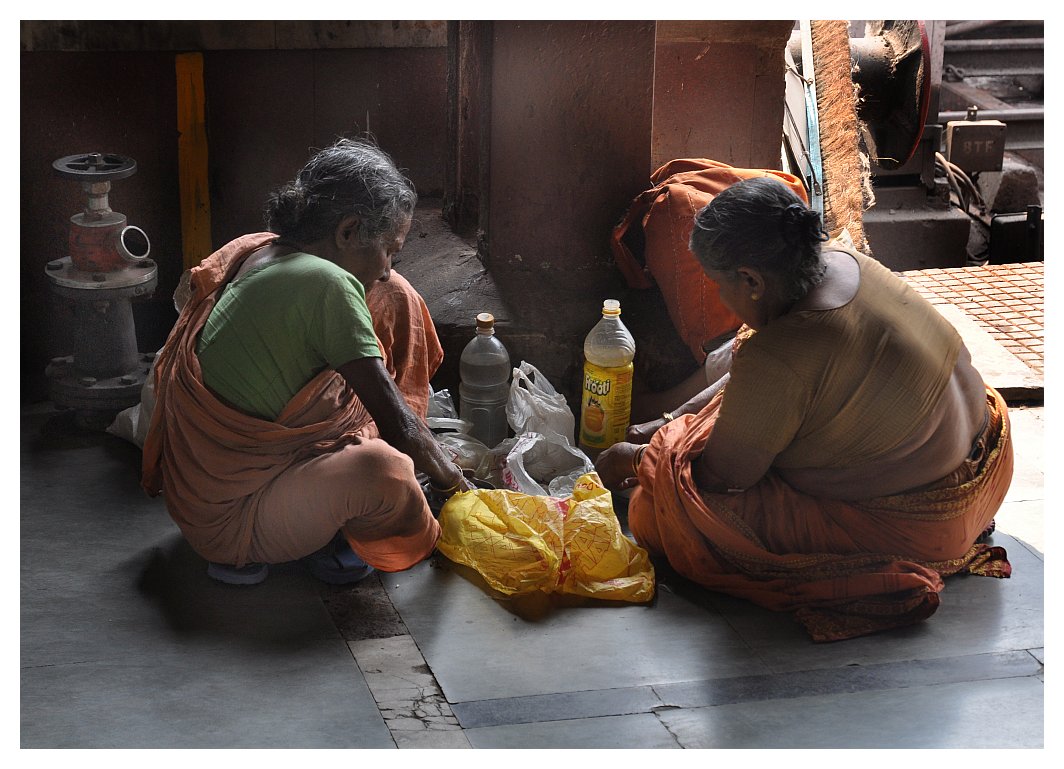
(291, 393)
(848, 458)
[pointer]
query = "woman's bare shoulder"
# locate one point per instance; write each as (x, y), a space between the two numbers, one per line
(842, 278)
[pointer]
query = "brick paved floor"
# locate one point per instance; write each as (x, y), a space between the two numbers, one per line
(1007, 299)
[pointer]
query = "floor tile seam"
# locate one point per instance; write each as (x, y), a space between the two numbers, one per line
(991, 313)
(1023, 315)
(799, 678)
(1026, 304)
(1023, 348)
(990, 285)
(1021, 345)
(998, 306)
(1026, 499)
(1031, 549)
(668, 729)
(798, 687)
(533, 714)
(947, 696)
(1025, 341)
(44, 666)
(380, 696)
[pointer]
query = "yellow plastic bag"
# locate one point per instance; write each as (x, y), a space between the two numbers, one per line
(521, 543)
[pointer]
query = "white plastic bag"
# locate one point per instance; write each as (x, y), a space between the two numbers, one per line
(540, 464)
(442, 416)
(132, 424)
(465, 450)
(536, 407)
(440, 406)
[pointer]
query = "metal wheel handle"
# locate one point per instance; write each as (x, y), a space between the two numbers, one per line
(95, 167)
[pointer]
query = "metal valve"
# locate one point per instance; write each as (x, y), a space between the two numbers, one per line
(107, 268)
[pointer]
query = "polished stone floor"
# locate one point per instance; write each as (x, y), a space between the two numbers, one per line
(125, 642)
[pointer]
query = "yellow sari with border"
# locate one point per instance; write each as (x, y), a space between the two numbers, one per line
(844, 569)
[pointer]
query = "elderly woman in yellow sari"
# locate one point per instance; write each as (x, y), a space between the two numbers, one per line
(848, 458)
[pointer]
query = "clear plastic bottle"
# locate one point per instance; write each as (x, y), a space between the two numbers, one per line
(606, 396)
(485, 373)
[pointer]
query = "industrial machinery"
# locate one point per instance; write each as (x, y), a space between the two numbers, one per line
(107, 268)
(857, 129)
(917, 185)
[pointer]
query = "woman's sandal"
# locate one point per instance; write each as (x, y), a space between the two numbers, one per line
(248, 574)
(337, 563)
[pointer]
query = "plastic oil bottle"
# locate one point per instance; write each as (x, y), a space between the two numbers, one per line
(485, 373)
(606, 396)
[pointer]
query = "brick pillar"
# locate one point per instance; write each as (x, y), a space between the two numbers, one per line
(719, 91)
(579, 114)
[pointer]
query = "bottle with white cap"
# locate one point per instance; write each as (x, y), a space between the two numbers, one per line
(485, 371)
(606, 395)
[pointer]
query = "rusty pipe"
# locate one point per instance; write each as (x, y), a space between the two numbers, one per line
(105, 243)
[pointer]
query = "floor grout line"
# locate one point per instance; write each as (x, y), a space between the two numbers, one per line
(540, 708)
(407, 694)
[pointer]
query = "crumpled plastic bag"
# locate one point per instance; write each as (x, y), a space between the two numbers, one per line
(441, 404)
(442, 416)
(465, 450)
(541, 464)
(452, 433)
(132, 424)
(541, 458)
(534, 406)
(520, 543)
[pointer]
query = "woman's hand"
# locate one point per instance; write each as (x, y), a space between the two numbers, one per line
(616, 466)
(642, 433)
(437, 496)
(400, 426)
(468, 483)
(455, 484)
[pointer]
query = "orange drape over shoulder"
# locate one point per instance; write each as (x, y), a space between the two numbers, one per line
(650, 248)
(211, 461)
(845, 569)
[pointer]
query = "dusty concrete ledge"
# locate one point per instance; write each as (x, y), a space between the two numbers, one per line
(1002, 370)
(447, 272)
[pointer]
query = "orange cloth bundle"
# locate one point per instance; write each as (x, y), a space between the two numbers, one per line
(664, 215)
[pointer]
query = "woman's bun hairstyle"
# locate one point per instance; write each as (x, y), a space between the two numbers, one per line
(351, 177)
(285, 208)
(762, 224)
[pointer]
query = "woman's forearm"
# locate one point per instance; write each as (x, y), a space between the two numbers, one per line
(418, 443)
(397, 423)
(699, 402)
(643, 432)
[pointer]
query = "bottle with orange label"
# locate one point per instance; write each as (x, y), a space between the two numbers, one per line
(606, 395)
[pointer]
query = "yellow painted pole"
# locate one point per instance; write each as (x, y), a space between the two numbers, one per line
(192, 159)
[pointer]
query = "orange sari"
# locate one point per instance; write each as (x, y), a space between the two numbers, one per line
(214, 463)
(844, 569)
